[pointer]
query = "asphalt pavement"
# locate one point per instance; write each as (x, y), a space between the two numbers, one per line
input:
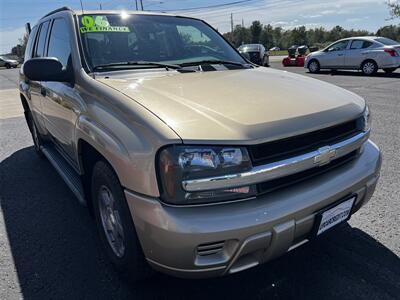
(49, 247)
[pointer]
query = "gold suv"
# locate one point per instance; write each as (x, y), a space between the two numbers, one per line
(192, 159)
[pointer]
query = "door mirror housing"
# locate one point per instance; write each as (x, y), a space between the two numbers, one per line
(46, 69)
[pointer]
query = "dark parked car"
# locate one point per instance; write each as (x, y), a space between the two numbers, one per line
(256, 53)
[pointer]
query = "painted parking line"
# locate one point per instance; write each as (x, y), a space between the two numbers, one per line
(10, 104)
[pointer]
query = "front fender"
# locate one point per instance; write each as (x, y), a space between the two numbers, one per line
(138, 176)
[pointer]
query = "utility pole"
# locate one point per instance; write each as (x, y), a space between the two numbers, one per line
(136, 5)
(101, 8)
(232, 22)
(141, 4)
(242, 23)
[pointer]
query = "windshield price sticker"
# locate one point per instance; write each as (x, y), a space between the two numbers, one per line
(99, 24)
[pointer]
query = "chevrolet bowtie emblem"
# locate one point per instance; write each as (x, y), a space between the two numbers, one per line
(325, 156)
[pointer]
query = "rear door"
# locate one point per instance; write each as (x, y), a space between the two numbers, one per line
(357, 53)
(333, 56)
(35, 87)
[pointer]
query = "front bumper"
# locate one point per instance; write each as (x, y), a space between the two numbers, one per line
(215, 240)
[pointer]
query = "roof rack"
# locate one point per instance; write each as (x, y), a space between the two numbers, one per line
(56, 11)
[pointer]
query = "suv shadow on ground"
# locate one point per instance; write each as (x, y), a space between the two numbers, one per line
(57, 255)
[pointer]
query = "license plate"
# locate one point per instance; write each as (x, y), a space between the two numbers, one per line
(335, 215)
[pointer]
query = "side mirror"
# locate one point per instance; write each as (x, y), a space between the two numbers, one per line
(46, 69)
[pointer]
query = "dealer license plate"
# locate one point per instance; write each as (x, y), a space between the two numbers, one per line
(335, 215)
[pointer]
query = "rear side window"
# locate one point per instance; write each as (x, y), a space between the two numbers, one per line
(31, 42)
(41, 41)
(359, 44)
(59, 46)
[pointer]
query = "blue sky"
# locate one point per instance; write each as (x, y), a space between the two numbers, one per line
(358, 14)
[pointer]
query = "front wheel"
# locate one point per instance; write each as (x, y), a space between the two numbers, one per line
(314, 66)
(114, 224)
(369, 67)
(8, 66)
(390, 70)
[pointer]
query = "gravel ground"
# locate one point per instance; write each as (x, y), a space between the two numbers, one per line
(49, 247)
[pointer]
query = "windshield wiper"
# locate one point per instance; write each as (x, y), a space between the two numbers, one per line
(136, 63)
(212, 61)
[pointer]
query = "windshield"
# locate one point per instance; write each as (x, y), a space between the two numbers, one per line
(109, 39)
(387, 42)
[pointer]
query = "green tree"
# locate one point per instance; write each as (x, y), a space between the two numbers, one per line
(394, 7)
(267, 36)
(19, 49)
(255, 29)
(391, 32)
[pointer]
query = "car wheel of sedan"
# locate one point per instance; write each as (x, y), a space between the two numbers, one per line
(389, 71)
(8, 66)
(314, 66)
(114, 224)
(369, 67)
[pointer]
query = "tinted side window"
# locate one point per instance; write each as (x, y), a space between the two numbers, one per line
(367, 44)
(357, 44)
(31, 42)
(59, 46)
(338, 46)
(41, 42)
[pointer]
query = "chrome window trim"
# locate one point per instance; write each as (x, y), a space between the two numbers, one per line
(280, 168)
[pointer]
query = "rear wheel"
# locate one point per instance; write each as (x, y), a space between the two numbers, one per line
(8, 66)
(314, 66)
(390, 70)
(369, 67)
(114, 224)
(37, 139)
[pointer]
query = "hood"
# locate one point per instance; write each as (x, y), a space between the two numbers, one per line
(237, 106)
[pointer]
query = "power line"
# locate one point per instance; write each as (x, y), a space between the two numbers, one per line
(209, 6)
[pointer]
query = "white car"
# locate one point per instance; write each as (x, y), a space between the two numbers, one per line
(368, 54)
(8, 63)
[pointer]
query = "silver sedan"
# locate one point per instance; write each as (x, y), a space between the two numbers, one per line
(368, 54)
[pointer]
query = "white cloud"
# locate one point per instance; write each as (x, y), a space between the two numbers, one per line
(9, 38)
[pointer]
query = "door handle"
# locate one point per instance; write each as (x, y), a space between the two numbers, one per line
(43, 91)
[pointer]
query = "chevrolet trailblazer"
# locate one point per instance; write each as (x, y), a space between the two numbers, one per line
(192, 160)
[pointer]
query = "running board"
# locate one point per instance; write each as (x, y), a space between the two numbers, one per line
(67, 173)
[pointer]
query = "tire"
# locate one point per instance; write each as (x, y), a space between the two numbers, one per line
(369, 67)
(390, 70)
(314, 66)
(112, 214)
(7, 66)
(36, 137)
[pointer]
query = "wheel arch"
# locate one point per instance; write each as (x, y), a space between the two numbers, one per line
(26, 108)
(94, 143)
(313, 59)
(369, 59)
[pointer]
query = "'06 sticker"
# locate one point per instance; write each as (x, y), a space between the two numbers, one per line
(99, 24)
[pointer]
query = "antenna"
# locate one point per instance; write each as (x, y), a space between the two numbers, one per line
(81, 5)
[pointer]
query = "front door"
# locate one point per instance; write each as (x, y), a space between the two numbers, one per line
(61, 103)
(334, 55)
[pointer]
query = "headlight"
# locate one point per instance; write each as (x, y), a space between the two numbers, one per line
(366, 119)
(179, 163)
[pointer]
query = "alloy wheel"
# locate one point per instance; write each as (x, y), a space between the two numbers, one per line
(369, 68)
(313, 67)
(111, 221)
